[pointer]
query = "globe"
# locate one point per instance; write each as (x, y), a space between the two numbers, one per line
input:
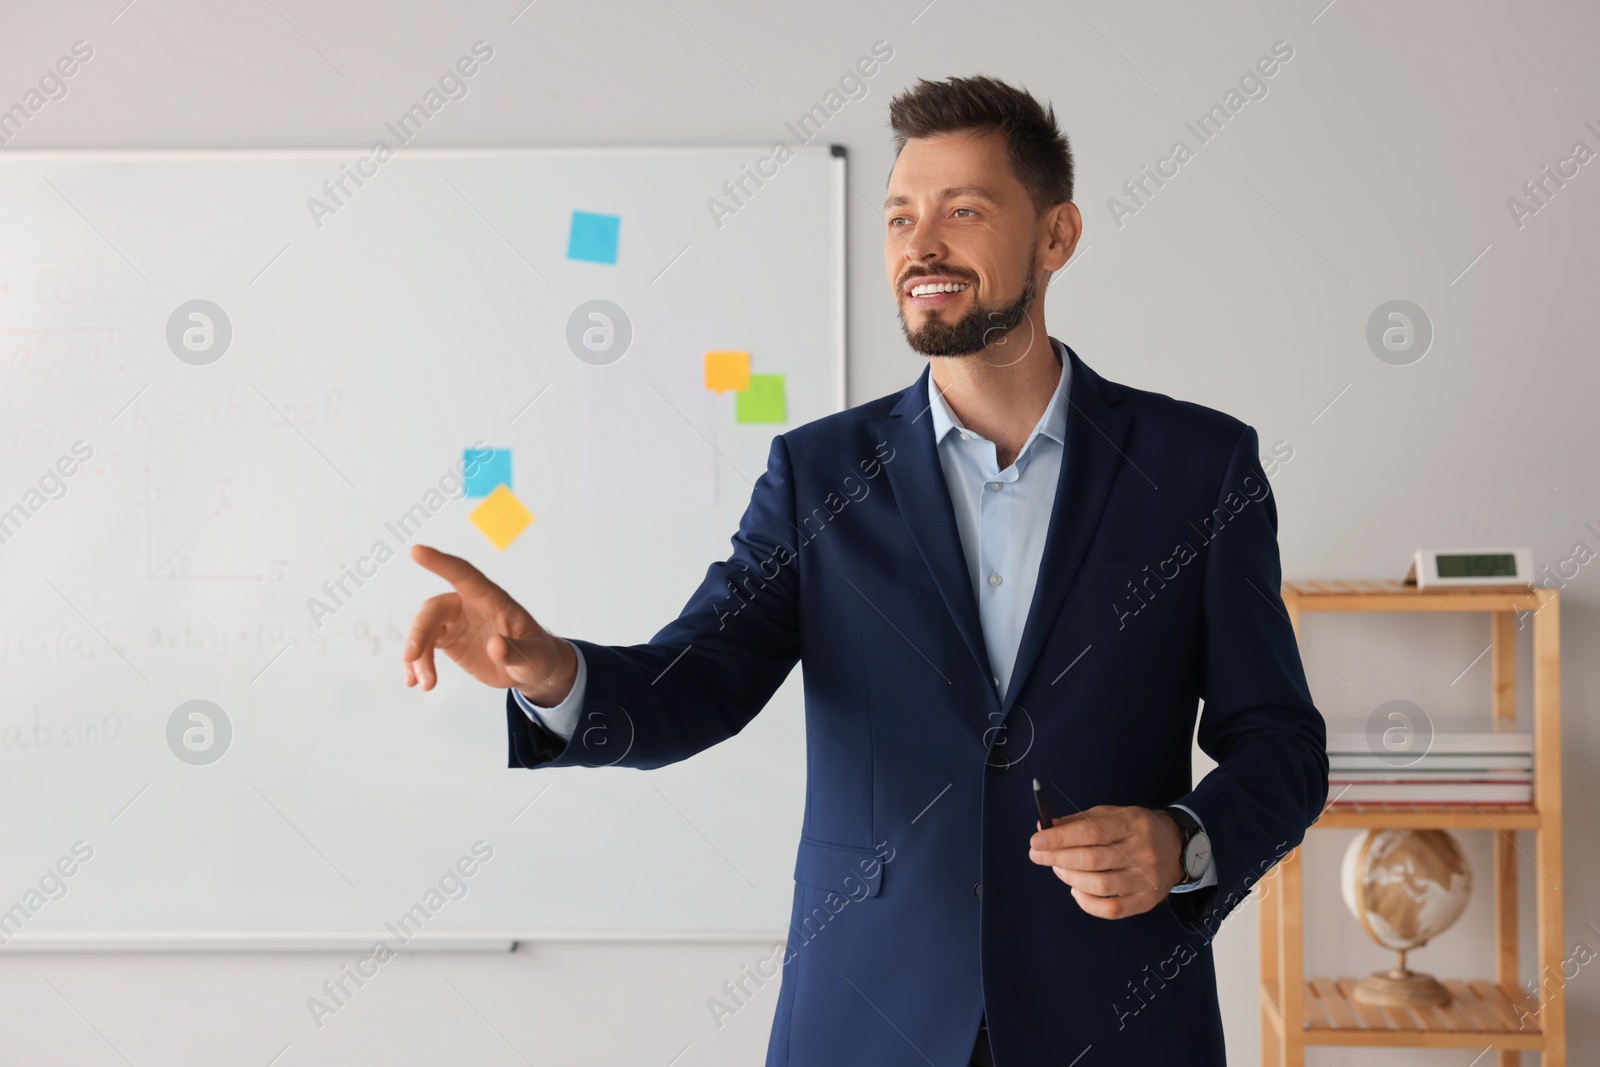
(1405, 887)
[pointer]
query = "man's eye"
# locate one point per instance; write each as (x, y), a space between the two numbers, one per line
(968, 210)
(896, 221)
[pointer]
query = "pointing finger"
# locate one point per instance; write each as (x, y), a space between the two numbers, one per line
(504, 614)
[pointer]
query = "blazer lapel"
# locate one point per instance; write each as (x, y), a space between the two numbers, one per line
(924, 499)
(1097, 427)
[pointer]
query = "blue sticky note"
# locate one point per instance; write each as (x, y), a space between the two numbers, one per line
(593, 237)
(484, 468)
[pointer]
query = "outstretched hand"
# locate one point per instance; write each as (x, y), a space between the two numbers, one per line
(487, 633)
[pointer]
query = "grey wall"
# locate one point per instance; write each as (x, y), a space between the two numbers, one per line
(1377, 166)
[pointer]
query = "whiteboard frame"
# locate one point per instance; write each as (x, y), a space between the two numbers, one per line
(453, 941)
(119, 942)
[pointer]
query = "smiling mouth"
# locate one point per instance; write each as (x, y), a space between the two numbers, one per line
(935, 294)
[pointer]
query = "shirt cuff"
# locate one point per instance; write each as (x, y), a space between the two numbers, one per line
(562, 719)
(1210, 877)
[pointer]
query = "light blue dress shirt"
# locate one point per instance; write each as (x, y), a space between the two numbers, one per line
(1002, 517)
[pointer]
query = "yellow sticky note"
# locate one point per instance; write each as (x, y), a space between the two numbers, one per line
(727, 371)
(501, 517)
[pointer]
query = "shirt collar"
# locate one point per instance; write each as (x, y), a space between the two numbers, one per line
(1052, 424)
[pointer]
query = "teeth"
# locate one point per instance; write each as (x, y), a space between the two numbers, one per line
(937, 287)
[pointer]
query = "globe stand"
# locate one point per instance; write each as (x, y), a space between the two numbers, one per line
(1400, 987)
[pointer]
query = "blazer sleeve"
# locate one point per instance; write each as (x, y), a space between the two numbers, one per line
(707, 673)
(1258, 722)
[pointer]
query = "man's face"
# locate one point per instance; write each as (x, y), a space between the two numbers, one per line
(961, 243)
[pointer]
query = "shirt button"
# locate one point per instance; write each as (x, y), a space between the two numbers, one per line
(966, 437)
(995, 579)
(995, 486)
(996, 682)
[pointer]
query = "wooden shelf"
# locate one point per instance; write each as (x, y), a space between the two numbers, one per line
(1483, 1013)
(1428, 817)
(1367, 595)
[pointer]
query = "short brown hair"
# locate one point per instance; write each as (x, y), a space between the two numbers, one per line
(1038, 151)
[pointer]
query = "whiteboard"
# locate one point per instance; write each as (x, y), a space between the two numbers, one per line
(175, 515)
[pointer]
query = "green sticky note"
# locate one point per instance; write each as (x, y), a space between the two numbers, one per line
(762, 400)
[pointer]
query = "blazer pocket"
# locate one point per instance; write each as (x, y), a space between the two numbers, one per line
(841, 868)
(1106, 575)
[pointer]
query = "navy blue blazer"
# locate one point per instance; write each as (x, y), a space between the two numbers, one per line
(916, 909)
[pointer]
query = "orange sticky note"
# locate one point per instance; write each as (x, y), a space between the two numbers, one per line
(727, 371)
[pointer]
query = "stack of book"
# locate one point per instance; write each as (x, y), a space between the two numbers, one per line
(1463, 767)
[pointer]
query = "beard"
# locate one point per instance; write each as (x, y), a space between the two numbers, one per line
(977, 329)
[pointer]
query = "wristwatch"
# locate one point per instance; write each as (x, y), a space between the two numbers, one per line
(1196, 849)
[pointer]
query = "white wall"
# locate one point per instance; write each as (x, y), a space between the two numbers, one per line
(1378, 166)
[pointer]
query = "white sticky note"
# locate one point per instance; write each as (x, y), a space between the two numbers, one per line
(647, 425)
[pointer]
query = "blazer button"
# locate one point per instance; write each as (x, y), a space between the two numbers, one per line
(977, 889)
(999, 768)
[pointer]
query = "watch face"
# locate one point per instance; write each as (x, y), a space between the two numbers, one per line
(1197, 856)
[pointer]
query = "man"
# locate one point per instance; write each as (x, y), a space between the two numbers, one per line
(1041, 574)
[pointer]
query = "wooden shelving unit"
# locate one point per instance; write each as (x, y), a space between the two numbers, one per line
(1297, 1011)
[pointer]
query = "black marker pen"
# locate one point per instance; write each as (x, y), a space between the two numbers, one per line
(1045, 822)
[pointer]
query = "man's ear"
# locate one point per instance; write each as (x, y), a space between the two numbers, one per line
(1063, 227)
